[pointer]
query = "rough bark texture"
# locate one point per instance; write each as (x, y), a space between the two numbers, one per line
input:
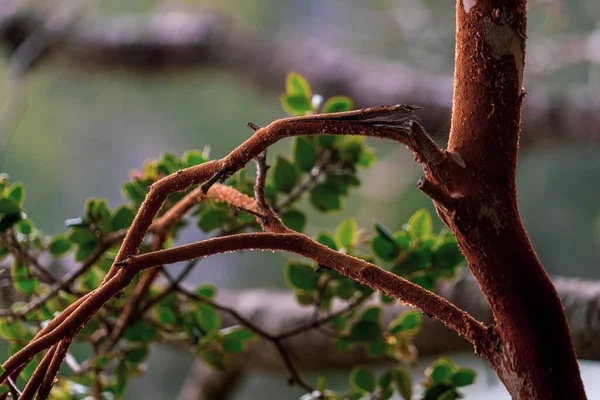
(534, 354)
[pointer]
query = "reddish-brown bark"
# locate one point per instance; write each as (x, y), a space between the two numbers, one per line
(534, 355)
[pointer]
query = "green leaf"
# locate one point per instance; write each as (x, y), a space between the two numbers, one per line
(376, 349)
(345, 289)
(464, 376)
(236, 338)
(346, 232)
(211, 351)
(324, 199)
(441, 391)
(22, 280)
(403, 382)
(441, 371)
(327, 239)
(372, 314)
(407, 322)
(140, 332)
(384, 249)
(206, 291)
(296, 104)
(134, 193)
(300, 276)
(402, 240)
(9, 206)
(338, 104)
(17, 192)
(4, 388)
(343, 344)
(294, 220)
(212, 218)
(12, 330)
(447, 256)
(305, 154)
(207, 317)
(362, 378)
(420, 223)
(285, 176)
(297, 84)
(366, 331)
(121, 383)
(193, 157)
(81, 236)
(326, 141)
(25, 227)
(367, 157)
(122, 218)
(137, 355)
(304, 298)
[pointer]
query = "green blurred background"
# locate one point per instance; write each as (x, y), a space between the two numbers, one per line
(81, 131)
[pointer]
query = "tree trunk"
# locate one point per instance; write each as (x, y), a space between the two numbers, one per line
(530, 345)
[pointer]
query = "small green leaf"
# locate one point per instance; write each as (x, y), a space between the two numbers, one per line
(17, 192)
(345, 289)
(122, 218)
(81, 236)
(294, 220)
(384, 249)
(25, 227)
(366, 331)
(346, 232)
(236, 338)
(304, 298)
(324, 199)
(193, 157)
(297, 84)
(372, 314)
(343, 344)
(137, 355)
(300, 276)
(362, 378)
(403, 382)
(338, 104)
(211, 351)
(305, 154)
(139, 332)
(327, 240)
(441, 371)
(376, 349)
(447, 256)
(420, 223)
(296, 104)
(285, 175)
(212, 218)
(134, 193)
(4, 389)
(9, 206)
(326, 141)
(121, 383)
(464, 376)
(22, 279)
(206, 291)
(409, 321)
(207, 317)
(402, 240)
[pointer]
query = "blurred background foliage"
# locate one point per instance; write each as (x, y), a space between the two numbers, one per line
(81, 131)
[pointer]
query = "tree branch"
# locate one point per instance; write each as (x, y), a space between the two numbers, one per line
(362, 271)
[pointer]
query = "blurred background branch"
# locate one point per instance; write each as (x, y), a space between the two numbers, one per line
(179, 40)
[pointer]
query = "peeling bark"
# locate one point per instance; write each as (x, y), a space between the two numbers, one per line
(530, 346)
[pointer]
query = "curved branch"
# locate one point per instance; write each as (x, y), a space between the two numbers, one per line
(362, 271)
